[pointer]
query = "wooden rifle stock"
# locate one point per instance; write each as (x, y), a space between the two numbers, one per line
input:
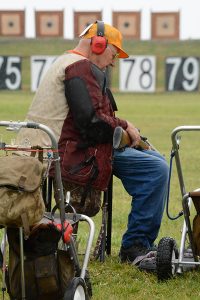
(122, 139)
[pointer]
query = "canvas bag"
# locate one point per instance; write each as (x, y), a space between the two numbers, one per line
(21, 202)
(48, 270)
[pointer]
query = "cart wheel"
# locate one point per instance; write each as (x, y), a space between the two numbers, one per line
(167, 251)
(76, 290)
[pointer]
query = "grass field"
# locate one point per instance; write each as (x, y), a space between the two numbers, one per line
(156, 115)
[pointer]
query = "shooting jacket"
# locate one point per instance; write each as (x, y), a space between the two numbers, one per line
(90, 121)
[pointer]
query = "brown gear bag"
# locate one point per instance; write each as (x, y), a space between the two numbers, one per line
(21, 202)
(48, 270)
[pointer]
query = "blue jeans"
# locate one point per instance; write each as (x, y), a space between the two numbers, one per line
(144, 175)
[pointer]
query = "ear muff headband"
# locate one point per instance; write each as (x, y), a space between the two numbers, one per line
(99, 42)
(100, 28)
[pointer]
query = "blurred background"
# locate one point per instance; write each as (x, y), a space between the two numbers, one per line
(161, 37)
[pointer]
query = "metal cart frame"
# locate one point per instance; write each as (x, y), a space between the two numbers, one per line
(170, 260)
(15, 126)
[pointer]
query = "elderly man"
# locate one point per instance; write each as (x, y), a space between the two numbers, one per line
(74, 101)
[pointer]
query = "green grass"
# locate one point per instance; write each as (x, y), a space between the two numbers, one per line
(156, 115)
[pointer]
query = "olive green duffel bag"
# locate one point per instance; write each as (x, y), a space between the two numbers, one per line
(21, 202)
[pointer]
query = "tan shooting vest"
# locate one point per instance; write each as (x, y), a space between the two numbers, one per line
(49, 106)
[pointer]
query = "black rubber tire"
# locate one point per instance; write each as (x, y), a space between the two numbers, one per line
(167, 250)
(76, 290)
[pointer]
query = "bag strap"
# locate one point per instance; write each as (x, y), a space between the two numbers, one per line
(89, 184)
(40, 153)
(25, 223)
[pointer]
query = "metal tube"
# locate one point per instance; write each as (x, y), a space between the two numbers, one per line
(4, 243)
(195, 263)
(22, 263)
(183, 237)
(175, 148)
(58, 178)
(89, 244)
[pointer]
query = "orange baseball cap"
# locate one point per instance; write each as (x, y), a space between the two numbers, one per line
(112, 35)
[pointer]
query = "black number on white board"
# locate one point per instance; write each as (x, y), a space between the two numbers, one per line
(10, 72)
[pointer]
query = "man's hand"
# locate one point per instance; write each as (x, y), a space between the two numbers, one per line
(134, 135)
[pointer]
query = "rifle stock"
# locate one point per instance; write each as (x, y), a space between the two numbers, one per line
(122, 139)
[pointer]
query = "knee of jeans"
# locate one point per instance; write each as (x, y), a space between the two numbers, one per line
(164, 170)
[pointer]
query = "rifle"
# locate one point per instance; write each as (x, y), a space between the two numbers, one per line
(100, 247)
(103, 244)
(122, 139)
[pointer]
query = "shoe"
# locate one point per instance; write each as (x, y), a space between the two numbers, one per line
(130, 254)
(154, 247)
(148, 263)
(140, 256)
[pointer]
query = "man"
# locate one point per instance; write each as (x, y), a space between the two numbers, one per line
(73, 100)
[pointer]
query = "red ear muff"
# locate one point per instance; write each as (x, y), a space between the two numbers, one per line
(98, 44)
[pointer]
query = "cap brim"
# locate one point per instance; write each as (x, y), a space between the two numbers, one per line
(122, 53)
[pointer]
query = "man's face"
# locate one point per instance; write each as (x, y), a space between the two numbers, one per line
(107, 58)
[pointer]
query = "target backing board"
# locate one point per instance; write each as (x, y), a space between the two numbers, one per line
(12, 23)
(128, 24)
(49, 24)
(165, 25)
